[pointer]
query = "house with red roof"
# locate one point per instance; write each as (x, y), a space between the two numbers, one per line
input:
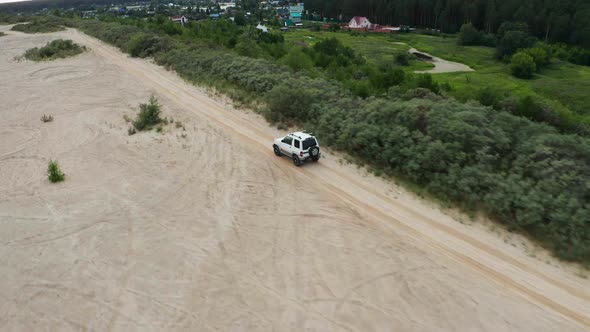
(359, 22)
(179, 19)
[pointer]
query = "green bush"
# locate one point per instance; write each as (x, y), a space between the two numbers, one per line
(247, 44)
(574, 54)
(511, 41)
(297, 60)
(149, 115)
(388, 77)
(40, 25)
(425, 81)
(402, 58)
(522, 65)
(54, 173)
(116, 34)
(539, 55)
(489, 96)
(468, 35)
(54, 50)
(143, 45)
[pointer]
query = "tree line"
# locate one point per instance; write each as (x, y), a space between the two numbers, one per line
(566, 21)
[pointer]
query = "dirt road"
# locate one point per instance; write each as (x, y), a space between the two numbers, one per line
(440, 65)
(203, 228)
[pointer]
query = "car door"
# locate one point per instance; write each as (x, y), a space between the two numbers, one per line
(286, 145)
(296, 146)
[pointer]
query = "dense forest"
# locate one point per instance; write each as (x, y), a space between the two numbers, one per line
(566, 21)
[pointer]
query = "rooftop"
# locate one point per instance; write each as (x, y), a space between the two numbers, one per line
(301, 135)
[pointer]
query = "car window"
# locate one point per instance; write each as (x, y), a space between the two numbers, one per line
(287, 140)
(297, 144)
(309, 142)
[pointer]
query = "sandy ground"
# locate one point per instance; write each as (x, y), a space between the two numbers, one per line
(211, 231)
(442, 65)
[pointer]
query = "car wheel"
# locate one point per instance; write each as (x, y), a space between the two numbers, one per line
(314, 153)
(296, 160)
(277, 151)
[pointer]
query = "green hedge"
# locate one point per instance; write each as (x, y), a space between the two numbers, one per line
(41, 24)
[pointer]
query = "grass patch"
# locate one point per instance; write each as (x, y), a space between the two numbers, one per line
(54, 173)
(377, 49)
(2, 34)
(562, 86)
(54, 50)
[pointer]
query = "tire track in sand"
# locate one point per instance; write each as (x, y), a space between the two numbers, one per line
(534, 284)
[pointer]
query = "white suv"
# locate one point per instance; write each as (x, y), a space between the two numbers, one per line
(300, 146)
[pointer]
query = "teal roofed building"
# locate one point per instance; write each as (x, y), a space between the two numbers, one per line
(296, 12)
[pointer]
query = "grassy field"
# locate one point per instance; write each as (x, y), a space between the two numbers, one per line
(562, 85)
(378, 49)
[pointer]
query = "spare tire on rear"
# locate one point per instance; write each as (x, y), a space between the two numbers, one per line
(314, 153)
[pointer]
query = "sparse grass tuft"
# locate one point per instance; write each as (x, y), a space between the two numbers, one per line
(54, 173)
(54, 50)
(149, 115)
(47, 118)
(131, 131)
(179, 124)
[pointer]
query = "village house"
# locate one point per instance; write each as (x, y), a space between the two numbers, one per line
(179, 19)
(296, 12)
(359, 22)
